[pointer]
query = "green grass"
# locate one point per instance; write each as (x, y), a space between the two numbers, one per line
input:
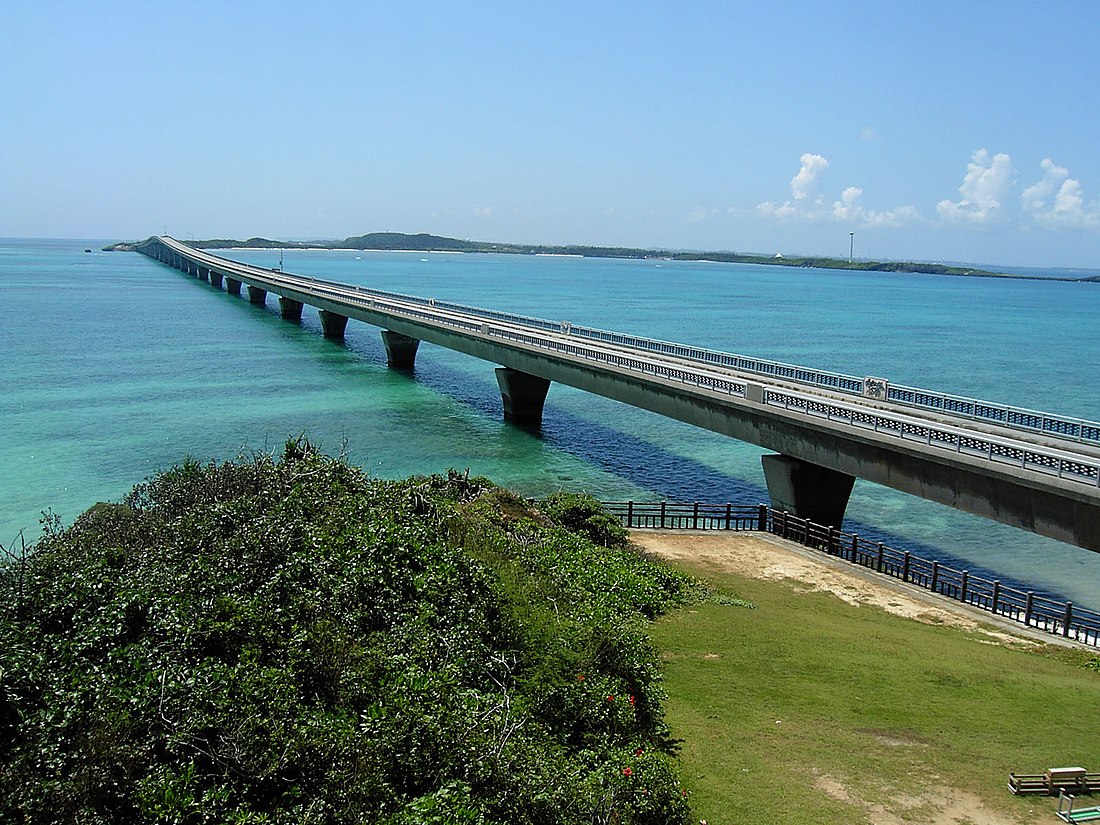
(769, 701)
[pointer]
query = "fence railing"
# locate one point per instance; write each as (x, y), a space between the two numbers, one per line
(1023, 606)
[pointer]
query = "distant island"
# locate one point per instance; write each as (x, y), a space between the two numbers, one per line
(423, 242)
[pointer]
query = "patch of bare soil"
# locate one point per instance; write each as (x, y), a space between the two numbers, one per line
(766, 558)
(936, 805)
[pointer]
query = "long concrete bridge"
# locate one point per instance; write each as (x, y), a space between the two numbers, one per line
(1029, 469)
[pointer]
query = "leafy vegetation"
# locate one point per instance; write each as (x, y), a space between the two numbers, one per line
(289, 641)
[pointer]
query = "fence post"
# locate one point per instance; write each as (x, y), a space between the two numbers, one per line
(729, 507)
(833, 546)
(662, 515)
(695, 517)
(996, 593)
(762, 518)
(1067, 619)
(878, 558)
(905, 567)
(965, 580)
(935, 575)
(1027, 608)
(630, 514)
(855, 548)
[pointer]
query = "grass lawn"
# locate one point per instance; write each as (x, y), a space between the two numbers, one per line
(809, 709)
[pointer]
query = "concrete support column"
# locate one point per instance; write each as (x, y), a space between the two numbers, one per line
(257, 296)
(333, 324)
(232, 286)
(400, 350)
(523, 396)
(807, 490)
(291, 310)
(216, 278)
(204, 273)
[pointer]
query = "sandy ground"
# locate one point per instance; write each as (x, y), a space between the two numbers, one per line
(765, 557)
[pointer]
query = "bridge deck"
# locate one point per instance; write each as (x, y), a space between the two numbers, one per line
(1044, 478)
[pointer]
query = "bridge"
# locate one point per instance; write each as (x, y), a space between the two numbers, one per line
(1029, 469)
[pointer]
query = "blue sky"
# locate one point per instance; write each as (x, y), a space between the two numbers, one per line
(932, 130)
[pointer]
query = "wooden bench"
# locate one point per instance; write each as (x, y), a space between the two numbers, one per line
(1054, 781)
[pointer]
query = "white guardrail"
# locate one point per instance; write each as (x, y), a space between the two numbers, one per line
(1028, 456)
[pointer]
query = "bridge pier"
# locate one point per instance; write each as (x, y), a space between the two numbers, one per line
(400, 350)
(232, 286)
(523, 396)
(257, 296)
(216, 279)
(290, 309)
(333, 324)
(807, 490)
(204, 273)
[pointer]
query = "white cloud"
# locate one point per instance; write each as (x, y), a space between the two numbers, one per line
(483, 211)
(805, 189)
(805, 184)
(1056, 199)
(850, 210)
(984, 188)
(780, 212)
(806, 203)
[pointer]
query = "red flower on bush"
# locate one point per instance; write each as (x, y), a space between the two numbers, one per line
(610, 698)
(632, 700)
(639, 752)
(628, 771)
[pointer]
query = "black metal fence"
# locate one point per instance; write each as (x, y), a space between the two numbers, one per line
(1025, 607)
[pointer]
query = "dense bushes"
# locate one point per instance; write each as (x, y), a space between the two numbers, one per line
(289, 641)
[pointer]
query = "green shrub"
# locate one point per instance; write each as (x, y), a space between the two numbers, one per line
(583, 514)
(289, 641)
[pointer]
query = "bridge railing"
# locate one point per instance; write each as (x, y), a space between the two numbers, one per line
(1026, 607)
(1070, 428)
(1035, 421)
(948, 438)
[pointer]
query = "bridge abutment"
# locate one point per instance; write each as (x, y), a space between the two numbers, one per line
(333, 324)
(807, 490)
(400, 350)
(523, 396)
(232, 286)
(290, 309)
(256, 295)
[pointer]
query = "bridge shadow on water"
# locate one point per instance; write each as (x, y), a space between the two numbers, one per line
(666, 475)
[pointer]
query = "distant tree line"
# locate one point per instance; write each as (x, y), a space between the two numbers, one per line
(423, 242)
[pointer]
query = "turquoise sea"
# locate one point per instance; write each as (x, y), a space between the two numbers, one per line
(114, 367)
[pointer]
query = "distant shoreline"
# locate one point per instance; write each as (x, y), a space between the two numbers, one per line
(401, 242)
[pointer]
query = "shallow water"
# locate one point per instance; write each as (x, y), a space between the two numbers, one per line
(115, 367)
